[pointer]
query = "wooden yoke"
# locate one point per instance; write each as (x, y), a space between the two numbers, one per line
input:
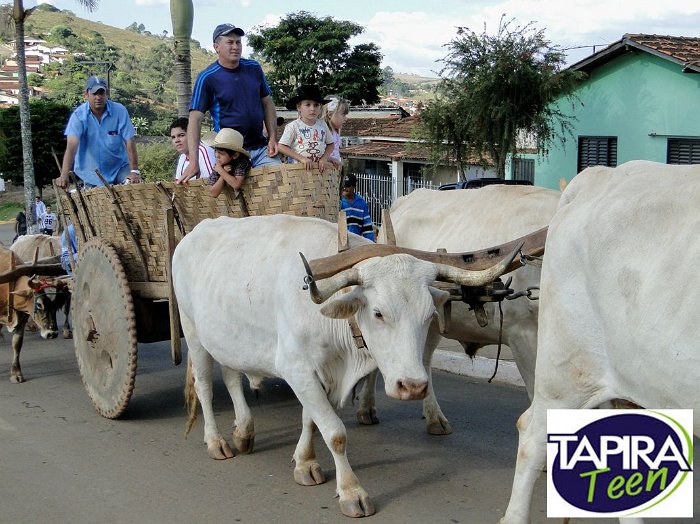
(533, 245)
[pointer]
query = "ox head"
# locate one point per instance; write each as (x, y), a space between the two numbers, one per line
(394, 303)
(41, 298)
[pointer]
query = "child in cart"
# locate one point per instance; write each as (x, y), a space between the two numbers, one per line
(232, 161)
(307, 139)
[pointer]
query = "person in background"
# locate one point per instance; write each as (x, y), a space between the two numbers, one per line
(235, 92)
(232, 161)
(100, 135)
(356, 209)
(20, 225)
(48, 221)
(69, 247)
(307, 139)
(39, 209)
(335, 113)
(206, 158)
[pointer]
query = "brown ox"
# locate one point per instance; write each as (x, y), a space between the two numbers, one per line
(43, 247)
(23, 296)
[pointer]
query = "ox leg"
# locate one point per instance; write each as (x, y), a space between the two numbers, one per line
(244, 431)
(532, 457)
(67, 331)
(354, 500)
(307, 470)
(217, 447)
(16, 376)
(436, 422)
(367, 412)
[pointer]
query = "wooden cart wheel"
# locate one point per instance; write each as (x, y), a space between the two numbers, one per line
(104, 328)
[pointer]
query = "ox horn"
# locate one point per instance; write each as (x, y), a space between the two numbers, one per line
(323, 290)
(470, 278)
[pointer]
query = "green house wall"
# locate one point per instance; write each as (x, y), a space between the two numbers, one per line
(641, 99)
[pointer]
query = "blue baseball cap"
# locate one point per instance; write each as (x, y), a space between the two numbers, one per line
(94, 84)
(225, 29)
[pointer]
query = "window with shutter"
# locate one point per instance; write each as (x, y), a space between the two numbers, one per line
(683, 151)
(597, 151)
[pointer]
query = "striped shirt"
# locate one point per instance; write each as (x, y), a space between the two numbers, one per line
(207, 159)
(359, 219)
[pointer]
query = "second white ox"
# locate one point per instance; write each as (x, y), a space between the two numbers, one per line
(619, 309)
(471, 220)
(239, 288)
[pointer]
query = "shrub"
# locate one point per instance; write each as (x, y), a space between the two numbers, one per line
(157, 161)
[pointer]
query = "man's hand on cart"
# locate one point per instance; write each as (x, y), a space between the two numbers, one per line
(134, 177)
(191, 172)
(62, 181)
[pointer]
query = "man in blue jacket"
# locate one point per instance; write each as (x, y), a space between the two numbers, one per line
(235, 92)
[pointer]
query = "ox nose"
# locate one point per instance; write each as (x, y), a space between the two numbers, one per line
(410, 389)
(51, 334)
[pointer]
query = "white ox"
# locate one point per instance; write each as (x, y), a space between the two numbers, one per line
(471, 220)
(618, 306)
(239, 288)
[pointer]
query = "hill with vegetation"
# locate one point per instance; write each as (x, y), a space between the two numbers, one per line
(142, 64)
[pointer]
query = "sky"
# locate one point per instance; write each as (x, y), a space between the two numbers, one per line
(412, 34)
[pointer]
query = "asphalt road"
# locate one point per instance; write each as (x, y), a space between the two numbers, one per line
(60, 462)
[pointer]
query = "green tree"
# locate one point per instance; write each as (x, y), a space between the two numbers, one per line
(48, 122)
(304, 49)
(494, 89)
(19, 16)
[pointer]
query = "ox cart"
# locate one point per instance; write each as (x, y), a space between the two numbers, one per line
(122, 286)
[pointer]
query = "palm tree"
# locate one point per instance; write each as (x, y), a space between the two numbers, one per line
(19, 16)
(182, 15)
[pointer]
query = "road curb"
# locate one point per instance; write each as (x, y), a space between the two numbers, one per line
(477, 367)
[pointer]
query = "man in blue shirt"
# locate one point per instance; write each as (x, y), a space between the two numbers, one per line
(235, 92)
(356, 209)
(100, 135)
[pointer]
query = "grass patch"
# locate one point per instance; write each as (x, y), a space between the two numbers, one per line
(9, 211)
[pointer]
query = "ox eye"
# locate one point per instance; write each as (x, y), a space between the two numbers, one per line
(378, 314)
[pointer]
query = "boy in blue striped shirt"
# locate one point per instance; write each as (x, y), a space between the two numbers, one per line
(356, 209)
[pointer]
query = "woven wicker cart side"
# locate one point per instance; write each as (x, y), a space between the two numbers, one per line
(132, 217)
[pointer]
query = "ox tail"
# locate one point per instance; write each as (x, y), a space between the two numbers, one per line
(191, 400)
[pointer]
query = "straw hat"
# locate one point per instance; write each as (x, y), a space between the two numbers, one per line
(226, 138)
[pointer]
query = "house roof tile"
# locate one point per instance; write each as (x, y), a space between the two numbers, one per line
(682, 50)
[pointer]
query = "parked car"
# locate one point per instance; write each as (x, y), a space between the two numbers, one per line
(481, 182)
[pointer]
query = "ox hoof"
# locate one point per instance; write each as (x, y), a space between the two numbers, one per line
(367, 417)
(439, 427)
(359, 506)
(219, 450)
(16, 379)
(244, 444)
(309, 474)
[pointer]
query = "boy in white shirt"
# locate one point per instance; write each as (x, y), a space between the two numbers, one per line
(178, 136)
(307, 139)
(48, 221)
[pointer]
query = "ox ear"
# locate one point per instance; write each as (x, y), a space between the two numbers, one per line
(442, 308)
(24, 293)
(345, 306)
(440, 297)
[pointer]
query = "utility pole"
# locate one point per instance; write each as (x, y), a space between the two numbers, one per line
(110, 66)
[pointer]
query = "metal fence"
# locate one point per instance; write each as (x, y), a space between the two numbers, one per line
(377, 190)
